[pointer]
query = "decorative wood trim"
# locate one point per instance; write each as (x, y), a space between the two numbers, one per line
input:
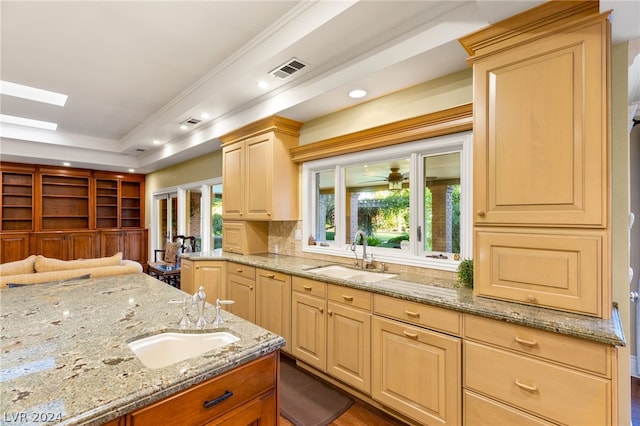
(268, 124)
(529, 25)
(452, 120)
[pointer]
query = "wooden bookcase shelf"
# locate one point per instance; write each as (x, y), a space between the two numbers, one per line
(70, 213)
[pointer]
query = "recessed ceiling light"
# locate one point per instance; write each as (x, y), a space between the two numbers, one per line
(156, 142)
(21, 121)
(31, 93)
(132, 170)
(262, 84)
(357, 93)
(66, 164)
(183, 127)
(205, 115)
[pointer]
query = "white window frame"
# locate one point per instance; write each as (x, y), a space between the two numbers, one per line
(415, 151)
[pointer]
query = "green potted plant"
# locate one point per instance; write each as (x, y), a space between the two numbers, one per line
(465, 273)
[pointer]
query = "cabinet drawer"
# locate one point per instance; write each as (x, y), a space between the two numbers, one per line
(417, 313)
(310, 287)
(559, 271)
(481, 411)
(350, 296)
(556, 393)
(188, 407)
(583, 354)
(243, 271)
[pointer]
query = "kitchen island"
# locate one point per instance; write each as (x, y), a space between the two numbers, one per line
(66, 359)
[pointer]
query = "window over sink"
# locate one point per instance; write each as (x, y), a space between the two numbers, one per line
(413, 201)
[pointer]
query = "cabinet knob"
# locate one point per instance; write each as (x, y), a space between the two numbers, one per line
(268, 213)
(532, 298)
(197, 267)
(330, 312)
(250, 288)
(481, 213)
(321, 310)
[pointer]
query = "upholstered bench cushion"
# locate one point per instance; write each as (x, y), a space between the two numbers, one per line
(24, 266)
(46, 264)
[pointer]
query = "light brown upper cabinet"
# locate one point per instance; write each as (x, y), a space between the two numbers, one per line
(541, 150)
(542, 158)
(260, 182)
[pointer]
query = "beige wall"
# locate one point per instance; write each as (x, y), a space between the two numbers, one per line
(431, 96)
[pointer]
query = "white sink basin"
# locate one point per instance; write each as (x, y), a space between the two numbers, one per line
(165, 349)
(344, 273)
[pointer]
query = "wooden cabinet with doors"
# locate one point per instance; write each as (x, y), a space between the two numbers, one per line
(542, 154)
(349, 336)
(131, 242)
(416, 369)
(210, 274)
(70, 213)
(241, 288)
(66, 245)
(308, 321)
(260, 182)
(273, 303)
(245, 237)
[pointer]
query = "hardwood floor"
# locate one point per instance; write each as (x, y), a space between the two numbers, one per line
(359, 414)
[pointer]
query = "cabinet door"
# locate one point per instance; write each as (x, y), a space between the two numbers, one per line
(233, 181)
(211, 276)
(261, 411)
(543, 161)
(417, 372)
(259, 177)
(82, 245)
(111, 242)
(273, 303)
(135, 245)
(13, 247)
(187, 272)
(308, 329)
(242, 292)
(51, 244)
(349, 345)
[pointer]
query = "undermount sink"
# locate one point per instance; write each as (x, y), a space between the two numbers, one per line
(168, 348)
(344, 273)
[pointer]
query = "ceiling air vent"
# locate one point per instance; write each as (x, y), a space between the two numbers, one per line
(285, 70)
(191, 121)
(140, 150)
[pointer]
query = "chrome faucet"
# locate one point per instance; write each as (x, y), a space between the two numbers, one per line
(199, 299)
(363, 237)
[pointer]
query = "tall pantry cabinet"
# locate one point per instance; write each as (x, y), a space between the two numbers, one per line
(541, 158)
(69, 213)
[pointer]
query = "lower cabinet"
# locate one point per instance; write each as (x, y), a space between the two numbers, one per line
(210, 274)
(540, 376)
(13, 247)
(241, 285)
(131, 242)
(67, 245)
(349, 336)
(416, 371)
(308, 321)
(247, 392)
(273, 303)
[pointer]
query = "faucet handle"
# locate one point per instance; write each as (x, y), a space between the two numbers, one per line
(224, 302)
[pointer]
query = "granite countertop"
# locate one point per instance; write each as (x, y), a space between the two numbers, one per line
(65, 356)
(445, 294)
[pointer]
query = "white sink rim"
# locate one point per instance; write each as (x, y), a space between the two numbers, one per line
(350, 274)
(164, 349)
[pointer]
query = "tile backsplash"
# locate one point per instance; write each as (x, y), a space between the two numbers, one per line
(282, 241)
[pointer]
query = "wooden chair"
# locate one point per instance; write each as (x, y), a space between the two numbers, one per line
(169, 256)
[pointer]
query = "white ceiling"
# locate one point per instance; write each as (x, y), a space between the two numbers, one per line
(134, 71)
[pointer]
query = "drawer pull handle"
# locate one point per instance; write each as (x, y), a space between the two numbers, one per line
(409, 334)
(226, 395)
(347, 298)
(526, 387)
(270, 276)
(307, 287)
(413, 314)
(238, 270)
(524, 342)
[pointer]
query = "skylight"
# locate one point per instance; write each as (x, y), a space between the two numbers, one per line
(31, 93)
(20, 121)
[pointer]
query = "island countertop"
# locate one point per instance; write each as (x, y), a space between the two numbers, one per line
(443, 293)
(65, 354)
